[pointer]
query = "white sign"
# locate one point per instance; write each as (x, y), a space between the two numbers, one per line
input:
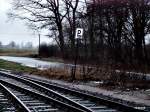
(79, 33)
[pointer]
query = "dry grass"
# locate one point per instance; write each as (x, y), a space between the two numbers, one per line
(58, 73)
(53, 73)
(17, 52)
(108, 76)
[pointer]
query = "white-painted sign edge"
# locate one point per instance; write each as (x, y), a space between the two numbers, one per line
(79, 33)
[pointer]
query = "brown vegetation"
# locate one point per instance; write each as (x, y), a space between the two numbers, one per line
(17, 52)
(109, 77)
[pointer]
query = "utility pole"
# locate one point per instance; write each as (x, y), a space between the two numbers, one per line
(39, 43)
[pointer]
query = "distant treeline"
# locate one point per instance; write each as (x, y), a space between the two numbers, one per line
(47, 50)
(14, 45)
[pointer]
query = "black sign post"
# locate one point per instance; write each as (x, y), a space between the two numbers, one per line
(78, 37)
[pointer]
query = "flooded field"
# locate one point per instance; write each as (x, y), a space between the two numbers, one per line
(31, 62)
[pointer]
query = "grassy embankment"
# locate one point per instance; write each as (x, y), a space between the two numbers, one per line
(50, 73)
(16, 67)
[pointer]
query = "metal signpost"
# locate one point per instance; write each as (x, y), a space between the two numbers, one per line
(78, 37)
(39, 43)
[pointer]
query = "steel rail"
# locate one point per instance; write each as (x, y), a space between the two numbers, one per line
(46, 87)
(49, 92)
(16, 101)
(88, 104)
(109, 103)
(48, 100)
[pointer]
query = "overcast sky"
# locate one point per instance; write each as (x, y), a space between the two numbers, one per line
(15, 30)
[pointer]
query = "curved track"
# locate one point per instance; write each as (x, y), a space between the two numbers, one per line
(79, 101)
(28, 99)
(9, 102)
(80, 96)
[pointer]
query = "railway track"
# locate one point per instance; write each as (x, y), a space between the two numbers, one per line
(29, 100)
(30, 86)
(9, 102)
(75, 99)
(35, 102)
(5, 104)
(82, 96)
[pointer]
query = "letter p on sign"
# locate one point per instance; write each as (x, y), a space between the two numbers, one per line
(79, 33)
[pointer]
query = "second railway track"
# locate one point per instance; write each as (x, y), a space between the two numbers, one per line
(74, 99)
(9, 102)
(33, 102)
(22, 99)
(5, 103)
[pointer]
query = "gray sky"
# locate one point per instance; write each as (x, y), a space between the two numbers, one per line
(15, 30)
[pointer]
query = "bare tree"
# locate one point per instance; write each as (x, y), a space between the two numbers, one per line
(137, 27)
(71, 17)
(72, 8)
(39, 14)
